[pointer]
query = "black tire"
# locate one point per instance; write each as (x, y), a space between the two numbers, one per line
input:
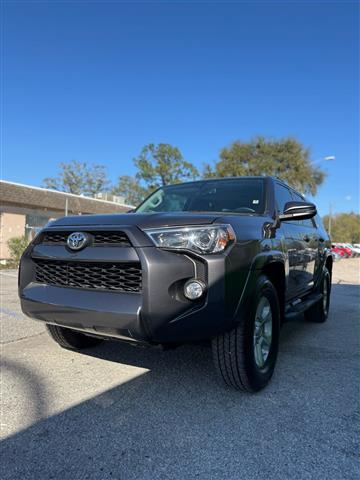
(70, 339)
(319, 312)
(234, 351)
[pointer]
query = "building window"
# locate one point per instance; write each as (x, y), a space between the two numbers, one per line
(34, 223)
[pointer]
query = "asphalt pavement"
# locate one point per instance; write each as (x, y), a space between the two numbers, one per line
(120, 412)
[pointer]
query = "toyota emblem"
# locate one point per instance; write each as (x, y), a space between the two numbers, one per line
(77, 240)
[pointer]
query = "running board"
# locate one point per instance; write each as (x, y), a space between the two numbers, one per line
(300, 306)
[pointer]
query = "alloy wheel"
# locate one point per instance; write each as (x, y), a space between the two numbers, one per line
(262, 332)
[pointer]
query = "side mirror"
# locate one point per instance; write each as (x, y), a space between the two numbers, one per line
(298, 211)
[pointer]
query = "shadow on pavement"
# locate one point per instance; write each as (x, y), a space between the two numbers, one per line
(176, 422)
(32, 386)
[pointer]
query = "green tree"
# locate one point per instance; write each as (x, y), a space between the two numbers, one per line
(130, 188)
(17, 246)
(345, 227)
(79, 178)
(286, 158)
(163, 164)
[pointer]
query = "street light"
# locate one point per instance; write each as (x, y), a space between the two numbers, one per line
(330, 219)
(328, 158)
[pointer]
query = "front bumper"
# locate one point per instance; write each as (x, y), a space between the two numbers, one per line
(159, 314)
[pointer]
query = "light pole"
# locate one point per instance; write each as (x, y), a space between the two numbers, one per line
(330, 219)
(328, 158)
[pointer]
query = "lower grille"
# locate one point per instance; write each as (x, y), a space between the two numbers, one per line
(121, 277)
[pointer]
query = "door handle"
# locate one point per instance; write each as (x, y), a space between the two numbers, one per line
(306, 238)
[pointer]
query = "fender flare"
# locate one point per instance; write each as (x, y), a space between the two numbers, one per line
(257, 266)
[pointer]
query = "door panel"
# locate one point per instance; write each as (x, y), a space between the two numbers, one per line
(307, 245)
(297, 262)
(284, 236)
(290, 245)
(301, 243)
(308, 235)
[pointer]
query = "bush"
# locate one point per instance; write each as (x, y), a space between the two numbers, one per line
(345, 227)
(16, 246)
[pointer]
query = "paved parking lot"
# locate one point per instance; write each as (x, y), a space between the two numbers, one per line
(119, 412)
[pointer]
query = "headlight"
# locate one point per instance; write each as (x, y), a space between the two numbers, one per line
(200, 239)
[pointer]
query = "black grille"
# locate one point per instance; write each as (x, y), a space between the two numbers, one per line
(122, 277)
(98, 238)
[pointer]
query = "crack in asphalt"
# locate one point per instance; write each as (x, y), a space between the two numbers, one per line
(22, 338)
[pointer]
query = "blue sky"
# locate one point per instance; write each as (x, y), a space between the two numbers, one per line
(95, 81)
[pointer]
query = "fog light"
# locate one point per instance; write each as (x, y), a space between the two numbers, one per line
(194, 289)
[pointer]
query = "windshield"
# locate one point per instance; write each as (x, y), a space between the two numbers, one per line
(239, 195)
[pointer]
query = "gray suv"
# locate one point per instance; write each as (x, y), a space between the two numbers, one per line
(226, 260)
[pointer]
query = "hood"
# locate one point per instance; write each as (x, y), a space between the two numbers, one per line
(141, 220)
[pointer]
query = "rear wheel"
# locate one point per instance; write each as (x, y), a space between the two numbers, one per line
(70, 339)
(245, 357)
(319, 312)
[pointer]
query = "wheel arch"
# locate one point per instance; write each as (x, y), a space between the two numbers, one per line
(275, 271)
(272, 265)
(329, 264)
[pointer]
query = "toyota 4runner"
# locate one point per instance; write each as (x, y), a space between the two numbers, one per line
(226, 260)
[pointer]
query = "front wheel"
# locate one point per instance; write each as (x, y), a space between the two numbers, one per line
(71, 339)
(245, 357)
